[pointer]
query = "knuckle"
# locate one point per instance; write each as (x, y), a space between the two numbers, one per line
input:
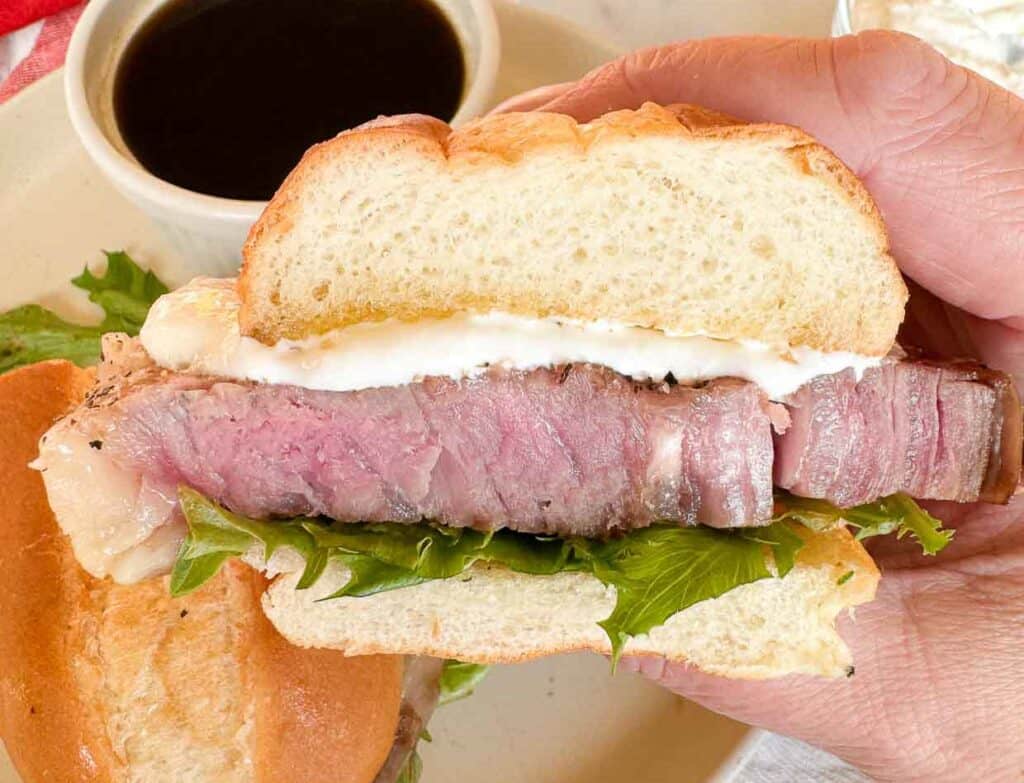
(896, 72)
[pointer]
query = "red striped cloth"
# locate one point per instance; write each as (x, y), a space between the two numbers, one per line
(18, 13)
(47, 52)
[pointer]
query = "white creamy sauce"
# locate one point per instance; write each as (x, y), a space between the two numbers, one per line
(195, 329)
(985, 35)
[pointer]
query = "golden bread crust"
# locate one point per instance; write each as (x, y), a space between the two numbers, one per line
(320, 717)
(370, 290)
(50, 726)
(105, 682)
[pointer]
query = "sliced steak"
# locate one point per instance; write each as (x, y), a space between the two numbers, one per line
(575, 450)
(572, 451)
(947, 431)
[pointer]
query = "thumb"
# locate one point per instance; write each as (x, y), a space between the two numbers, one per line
(848, 716)
(532, 99)
(763, 703)
(827, 714)
(946, 331)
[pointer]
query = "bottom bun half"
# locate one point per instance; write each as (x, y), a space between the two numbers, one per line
(768, 628)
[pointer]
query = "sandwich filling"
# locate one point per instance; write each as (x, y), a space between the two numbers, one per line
(195, 329)
(197, 445)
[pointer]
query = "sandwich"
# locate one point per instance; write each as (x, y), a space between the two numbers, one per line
(533, 386)
(109, 682)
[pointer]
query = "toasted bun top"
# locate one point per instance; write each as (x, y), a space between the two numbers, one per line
(102, 682)
(675, 218)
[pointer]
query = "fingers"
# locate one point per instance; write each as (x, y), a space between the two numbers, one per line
(920, 648)
(946, 331)
(939, 147)
(795, 706)
(999, 345)
(532, 99)
(847, 717)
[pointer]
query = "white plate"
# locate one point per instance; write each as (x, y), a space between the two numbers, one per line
(562, 719)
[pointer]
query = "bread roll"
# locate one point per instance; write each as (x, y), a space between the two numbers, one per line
(102, 682)
(768, 628)
(678, 219)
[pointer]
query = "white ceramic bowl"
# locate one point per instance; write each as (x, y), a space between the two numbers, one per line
(209, 229)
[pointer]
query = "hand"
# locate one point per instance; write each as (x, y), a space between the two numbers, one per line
(938, 693)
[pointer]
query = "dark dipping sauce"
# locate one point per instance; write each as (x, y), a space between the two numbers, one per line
(223, 96)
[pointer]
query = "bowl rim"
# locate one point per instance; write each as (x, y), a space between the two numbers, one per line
(138, 183)
(485, 76)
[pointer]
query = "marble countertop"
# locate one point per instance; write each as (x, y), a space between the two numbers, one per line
(632, 24)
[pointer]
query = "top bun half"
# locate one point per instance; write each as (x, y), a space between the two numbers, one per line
(672, 218)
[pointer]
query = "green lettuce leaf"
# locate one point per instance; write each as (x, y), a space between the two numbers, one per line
(656, 572)
(897, 514)
(659, 571)
(370, 576)
(437, 553)
(32, 333)
(459, 680)
(215, 534)
(124, 291)
(412, 769)
(780, 536)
